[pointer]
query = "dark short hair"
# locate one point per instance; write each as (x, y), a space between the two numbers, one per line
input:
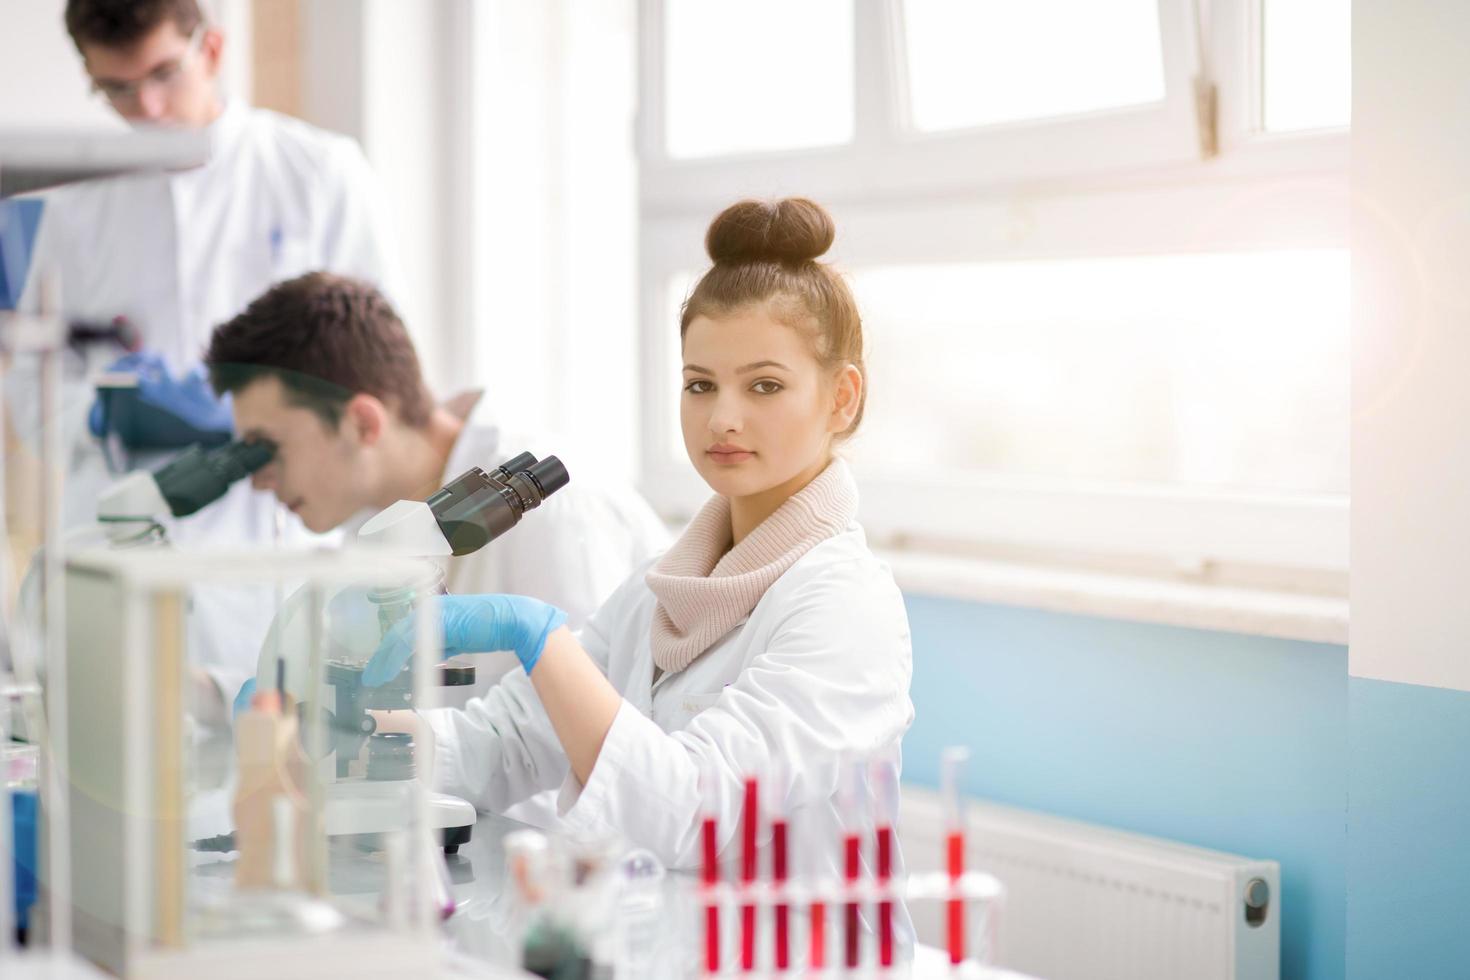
(120, 23)
(327, 338)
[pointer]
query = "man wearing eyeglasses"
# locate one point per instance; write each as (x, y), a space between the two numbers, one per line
(176, 254)
(151, 80)
(179, 253)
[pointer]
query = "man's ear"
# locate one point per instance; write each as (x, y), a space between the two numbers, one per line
(847, 396)
(365, 419)
(212, 49)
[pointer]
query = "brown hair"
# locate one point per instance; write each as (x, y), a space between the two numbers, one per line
(120, 23)
(765, 252)
(326, 338)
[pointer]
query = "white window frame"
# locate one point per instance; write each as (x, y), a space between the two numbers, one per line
(899, 200)
(885, 156)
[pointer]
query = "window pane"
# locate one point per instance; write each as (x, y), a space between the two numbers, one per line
(1223, 370)
(756, 75)
(981, 63)
(1307, 48)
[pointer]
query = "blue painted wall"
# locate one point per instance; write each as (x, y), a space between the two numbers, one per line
(1408, 909)
(1238, 743)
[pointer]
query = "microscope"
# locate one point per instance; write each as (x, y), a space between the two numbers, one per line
(130, 514)
(368, 770)
(128, 511)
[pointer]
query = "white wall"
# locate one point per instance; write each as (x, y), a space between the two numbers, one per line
(501, 133)
(41, 78)
(382, 72)
(408, 97)
(1411, 335)
(554, 251)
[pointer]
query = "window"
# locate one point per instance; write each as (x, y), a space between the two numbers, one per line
(550, 221)
(1138, 346)
(736, 84)
(979, 64)
(1113, 370)
(1307, 64)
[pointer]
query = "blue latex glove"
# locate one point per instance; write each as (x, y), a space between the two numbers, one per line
(242, 699)
(188, 399)
(472, 624)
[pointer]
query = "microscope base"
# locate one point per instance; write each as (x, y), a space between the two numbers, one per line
(362, 806)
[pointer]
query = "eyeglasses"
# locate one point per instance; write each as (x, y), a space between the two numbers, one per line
(165, 76)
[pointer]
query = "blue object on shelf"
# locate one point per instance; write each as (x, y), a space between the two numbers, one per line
(23, 809)
(160, 411)
(142, 425)
(19, 220)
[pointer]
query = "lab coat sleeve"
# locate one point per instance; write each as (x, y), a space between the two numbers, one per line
(833, 681)
(500, 749)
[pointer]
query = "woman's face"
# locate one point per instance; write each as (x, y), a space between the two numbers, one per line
(757, 408)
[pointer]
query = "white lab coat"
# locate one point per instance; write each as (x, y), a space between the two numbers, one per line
(179, 254)
(819, 669)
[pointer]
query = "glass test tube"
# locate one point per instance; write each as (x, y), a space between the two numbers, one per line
(811, 856)
(773, 803)
(884, 779)
(749, 865)
(853, 803)
(710, 866)
(951, 768)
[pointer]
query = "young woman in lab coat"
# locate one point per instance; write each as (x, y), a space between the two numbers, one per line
(768, 633)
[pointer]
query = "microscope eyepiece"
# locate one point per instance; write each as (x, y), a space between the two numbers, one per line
(198, 477)
(477, 507)
(515, 464)
(549, 475)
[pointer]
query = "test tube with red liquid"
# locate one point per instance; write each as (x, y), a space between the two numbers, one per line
(952, 764)
(710, 867)
(749, 866)
(884, 779)
(813, 875)
(774, 809)
(853, 804)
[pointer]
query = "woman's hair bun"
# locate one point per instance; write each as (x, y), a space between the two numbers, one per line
(790, 231)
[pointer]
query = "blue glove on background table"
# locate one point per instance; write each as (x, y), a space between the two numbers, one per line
(242, 698)
(165, 412)
(472, 624)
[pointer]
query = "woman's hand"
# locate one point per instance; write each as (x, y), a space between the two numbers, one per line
(472, 624)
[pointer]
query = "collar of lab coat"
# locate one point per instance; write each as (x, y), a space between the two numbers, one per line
(227, 127)
(469, 407)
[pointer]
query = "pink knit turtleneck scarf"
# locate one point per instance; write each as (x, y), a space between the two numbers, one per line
(704, 587)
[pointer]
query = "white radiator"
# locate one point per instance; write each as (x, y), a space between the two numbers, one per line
(1088, 903)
